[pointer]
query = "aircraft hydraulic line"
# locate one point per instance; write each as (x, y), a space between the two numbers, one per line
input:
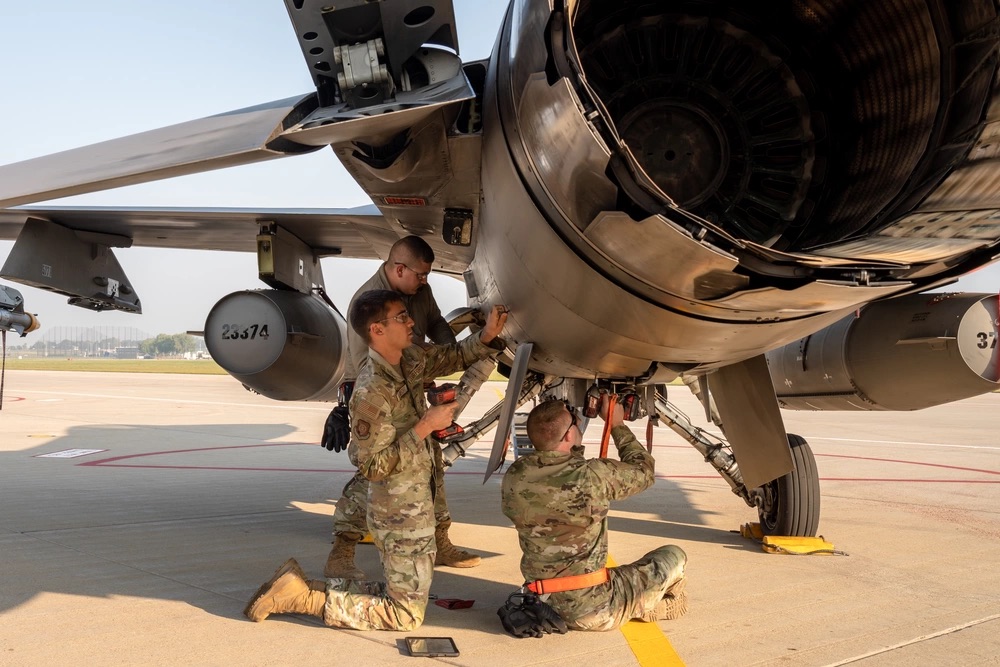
(714, 450)
(455, 446)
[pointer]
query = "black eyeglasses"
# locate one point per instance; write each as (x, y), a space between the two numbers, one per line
(572, 415)
(402, 317)
(421, 275)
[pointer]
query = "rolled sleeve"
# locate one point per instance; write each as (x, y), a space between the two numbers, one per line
(635, 471)
(446, 359)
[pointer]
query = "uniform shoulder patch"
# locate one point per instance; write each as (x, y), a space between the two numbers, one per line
(362, 429)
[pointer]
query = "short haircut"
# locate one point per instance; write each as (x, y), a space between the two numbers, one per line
(370, 307)
(547, 424)
(411, 248)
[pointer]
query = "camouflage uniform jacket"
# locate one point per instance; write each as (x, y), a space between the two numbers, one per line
(384, 409)
(427, 321)
(559, 505)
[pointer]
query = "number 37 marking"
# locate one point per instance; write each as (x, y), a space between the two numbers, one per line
(984, 340)
(250, 332)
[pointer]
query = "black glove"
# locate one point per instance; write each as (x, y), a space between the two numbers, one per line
(524, 615)
(337, 432)
(518, 622)
(548, 618)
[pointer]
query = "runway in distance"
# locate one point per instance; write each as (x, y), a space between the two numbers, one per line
(755, 200)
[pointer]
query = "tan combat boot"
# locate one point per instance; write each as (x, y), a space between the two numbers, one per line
(340, 562)
(450, 555)
(673, 605)
(287, 592)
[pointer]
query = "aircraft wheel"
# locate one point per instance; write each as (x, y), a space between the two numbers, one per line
(792, 502)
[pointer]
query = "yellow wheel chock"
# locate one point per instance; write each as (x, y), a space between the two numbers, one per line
(799, 546)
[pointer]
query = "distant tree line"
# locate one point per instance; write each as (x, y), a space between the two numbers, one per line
(164, 345)
(168, 344)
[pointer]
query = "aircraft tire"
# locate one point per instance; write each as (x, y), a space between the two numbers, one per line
(792, 502)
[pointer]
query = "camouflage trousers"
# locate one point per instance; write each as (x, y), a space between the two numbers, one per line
(398, 604)
(351, 513)
(631, 593)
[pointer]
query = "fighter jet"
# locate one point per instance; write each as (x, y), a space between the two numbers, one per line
(753, 198)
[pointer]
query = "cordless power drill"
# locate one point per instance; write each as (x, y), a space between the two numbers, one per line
(440, 395)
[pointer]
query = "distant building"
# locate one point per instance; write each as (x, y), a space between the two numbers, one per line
(127, 353)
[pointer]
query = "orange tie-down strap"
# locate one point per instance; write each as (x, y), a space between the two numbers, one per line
(571, 583)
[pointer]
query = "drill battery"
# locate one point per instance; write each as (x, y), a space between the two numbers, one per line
(631, 405)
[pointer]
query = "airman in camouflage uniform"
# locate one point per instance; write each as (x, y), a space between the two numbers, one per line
(391, 425)
(405, 272)
(559, 501)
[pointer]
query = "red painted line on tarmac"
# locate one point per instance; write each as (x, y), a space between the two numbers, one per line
(227, 468)
(910, 480)
(185, 451)
(912, 463)
(859, 479)
(907, 480)
(113, 462)
(688, 477)
(118, 462)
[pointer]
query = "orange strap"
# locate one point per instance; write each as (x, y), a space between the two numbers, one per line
(612, 399)
(572, 583)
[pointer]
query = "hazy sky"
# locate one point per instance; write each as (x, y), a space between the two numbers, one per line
(74, 73)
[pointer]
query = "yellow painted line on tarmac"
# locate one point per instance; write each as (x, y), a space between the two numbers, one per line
(647, 641)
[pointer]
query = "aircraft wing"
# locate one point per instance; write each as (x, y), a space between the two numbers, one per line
(361, 232)
(228, 139)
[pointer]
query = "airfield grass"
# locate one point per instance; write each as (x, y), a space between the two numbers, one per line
(189, 366)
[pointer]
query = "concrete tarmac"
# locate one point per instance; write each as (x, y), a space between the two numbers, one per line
(145, 551)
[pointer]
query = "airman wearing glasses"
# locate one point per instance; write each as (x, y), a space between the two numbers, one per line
(558, 501)
(405, 272)
(391, 426)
